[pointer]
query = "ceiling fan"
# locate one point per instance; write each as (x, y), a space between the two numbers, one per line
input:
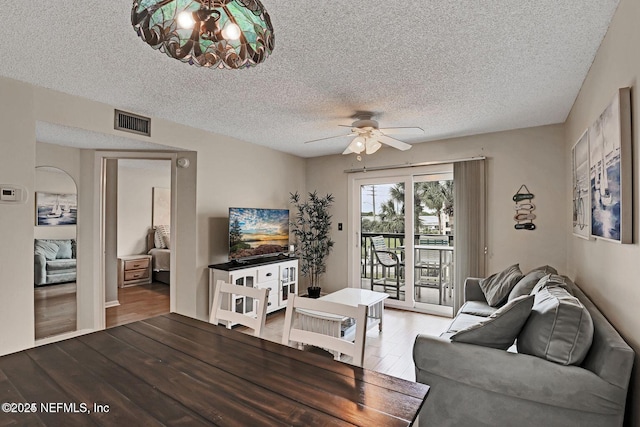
(369, 137)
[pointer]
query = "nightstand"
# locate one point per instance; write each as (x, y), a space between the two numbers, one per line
(134, 270)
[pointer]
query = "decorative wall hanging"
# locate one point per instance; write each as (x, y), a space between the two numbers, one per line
(209, 33)
(580, 187)
(161, 209)
(524, 209)
(610, 171)
(56, 209)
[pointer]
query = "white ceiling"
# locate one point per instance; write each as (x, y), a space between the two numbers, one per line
(453, 68)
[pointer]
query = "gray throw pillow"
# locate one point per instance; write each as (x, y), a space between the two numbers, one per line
(501, 328)
(46, 248)
(529, 281)
(496, 288)
(64, 250)
(559, 328)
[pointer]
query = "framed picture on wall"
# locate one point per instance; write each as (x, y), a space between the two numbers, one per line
(161, 210)
(56, 209)
(580, 187)
(610, 171)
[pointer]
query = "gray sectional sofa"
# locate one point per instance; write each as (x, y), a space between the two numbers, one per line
(54, 261)
(581, 380)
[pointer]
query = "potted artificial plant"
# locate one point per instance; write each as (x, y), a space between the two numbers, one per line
(311, 226)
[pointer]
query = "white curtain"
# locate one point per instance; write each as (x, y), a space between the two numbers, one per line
(469, 224)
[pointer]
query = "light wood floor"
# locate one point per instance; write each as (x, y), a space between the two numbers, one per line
(389, 351)
(138, 303)
(55, 307)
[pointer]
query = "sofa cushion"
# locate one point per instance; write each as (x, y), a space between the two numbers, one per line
(501, 328)
(496, 287)
(61, 265)
(477, 308)
(559, 327)
(463, 321)
(64, 249)
(553, 280)
(529, 281)
(46, 248)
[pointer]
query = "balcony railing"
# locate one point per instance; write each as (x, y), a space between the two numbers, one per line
(370, 268)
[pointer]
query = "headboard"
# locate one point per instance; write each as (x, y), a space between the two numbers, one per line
(150, 238)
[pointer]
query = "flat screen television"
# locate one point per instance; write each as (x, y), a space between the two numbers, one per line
(255, 232)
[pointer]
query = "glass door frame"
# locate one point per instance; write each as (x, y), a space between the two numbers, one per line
(389, 176)
(355, 237)
(442, 310)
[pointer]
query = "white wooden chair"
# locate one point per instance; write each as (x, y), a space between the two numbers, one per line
(316, 333)
(254, 322)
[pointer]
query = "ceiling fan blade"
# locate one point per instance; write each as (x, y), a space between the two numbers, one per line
(392, 142)
(403, 131)
(330, 137)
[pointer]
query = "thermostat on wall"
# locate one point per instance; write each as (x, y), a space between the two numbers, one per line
(12, 194)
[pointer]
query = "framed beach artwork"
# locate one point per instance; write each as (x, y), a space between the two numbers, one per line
(580, 188)
(56, 209)
(610, 171)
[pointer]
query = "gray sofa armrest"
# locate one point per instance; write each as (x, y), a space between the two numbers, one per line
(472, 290)
(39, 269)
(517, 375)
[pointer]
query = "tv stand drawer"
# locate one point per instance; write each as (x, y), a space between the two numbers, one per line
(268, 273)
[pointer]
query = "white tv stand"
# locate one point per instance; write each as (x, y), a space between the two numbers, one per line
(278, 274)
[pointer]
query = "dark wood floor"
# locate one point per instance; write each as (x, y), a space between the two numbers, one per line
(55, 309)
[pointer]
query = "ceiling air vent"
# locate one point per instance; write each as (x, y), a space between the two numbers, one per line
(132, 123)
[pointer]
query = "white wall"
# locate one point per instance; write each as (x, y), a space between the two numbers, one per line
(136, 180)
(533, 156)
(224, 172)
(609, 272)
(17, 167)
(227, 172)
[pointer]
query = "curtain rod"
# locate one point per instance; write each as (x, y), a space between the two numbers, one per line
(412, 165)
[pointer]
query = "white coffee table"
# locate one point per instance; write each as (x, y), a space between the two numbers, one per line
(338, 326)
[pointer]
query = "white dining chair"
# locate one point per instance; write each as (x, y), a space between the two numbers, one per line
(225, 312)
(312, 331)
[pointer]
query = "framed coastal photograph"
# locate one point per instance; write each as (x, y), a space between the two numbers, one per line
(56, 209)
(610, 171)
(580, 188)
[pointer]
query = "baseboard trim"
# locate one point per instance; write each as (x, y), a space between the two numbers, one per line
(64, 336)
(109, 304)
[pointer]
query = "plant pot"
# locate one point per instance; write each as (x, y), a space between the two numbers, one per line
(313, 292)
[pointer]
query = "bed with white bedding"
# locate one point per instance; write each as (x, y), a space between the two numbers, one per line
(158, 240)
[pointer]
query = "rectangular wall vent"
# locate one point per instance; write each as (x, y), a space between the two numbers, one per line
(132, 123)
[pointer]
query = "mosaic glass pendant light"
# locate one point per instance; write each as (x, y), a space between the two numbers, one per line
(209, 33)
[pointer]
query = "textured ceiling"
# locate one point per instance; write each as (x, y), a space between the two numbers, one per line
(453, 68)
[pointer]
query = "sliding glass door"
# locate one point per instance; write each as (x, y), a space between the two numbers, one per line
(382, 224)
(402, 244)
(433, 242)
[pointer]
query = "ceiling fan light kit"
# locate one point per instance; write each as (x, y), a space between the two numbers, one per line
(231, 34)
(369, 137)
